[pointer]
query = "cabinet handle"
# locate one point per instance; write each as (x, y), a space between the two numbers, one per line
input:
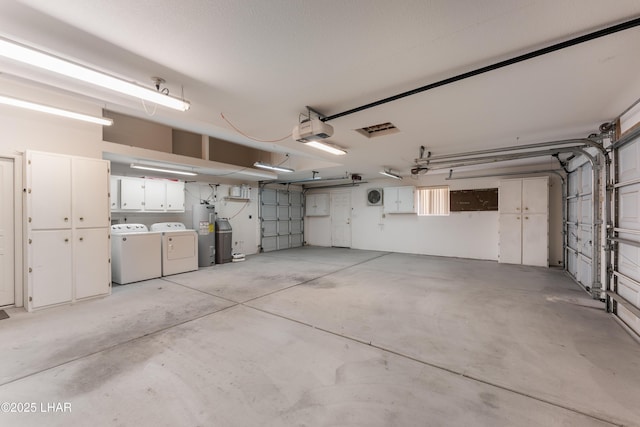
(526, 217)
(81, 239)
(518, 217)
(81, 218)
(517, 209)
(66, 219)
(66, 240)
(526, 209)
(124, 204)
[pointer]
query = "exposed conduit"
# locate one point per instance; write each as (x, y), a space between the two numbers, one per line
(520, 58)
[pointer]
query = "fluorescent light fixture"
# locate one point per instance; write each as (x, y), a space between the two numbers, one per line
(390, 174)
(326, 147)
(36, 58)
(155, 169)
(15, 102)
(272, 167)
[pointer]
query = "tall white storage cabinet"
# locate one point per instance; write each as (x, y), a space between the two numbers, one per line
(524, 221)
(67, 216)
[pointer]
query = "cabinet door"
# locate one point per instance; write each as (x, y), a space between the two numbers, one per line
(317, 204)
(50, 267)
(510, 238)
(510, 196)
(90, 189)
(154, 195)
(131, 194)
(406, 200)
(535, 195)
(535, 240)
(390, 200)
(114, 190)
(175, 196)
(91, 260)
(49, 191)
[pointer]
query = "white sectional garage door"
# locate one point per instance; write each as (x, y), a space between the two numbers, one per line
(579, 250)
(281, 219)
(624, 293)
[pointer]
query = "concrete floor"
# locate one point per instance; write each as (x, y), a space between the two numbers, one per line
(327, 337)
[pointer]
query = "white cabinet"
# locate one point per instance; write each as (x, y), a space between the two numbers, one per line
(131, 194)
(114, 192)
(154, 194)
(399, 199)
(149, 195)
(50, 271)
(90, 193)
(49, 191)
(524, 221)
(68, 252)
(317, 204)
(92, 273)
(175, 196)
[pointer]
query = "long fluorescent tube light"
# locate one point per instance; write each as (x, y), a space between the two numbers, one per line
(390, 174)
(39, 59)
(326, 147)
(15, 102)
(155, 169)
(272, 167)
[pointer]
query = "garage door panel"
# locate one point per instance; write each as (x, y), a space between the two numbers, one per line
(572, 210)
(296, 240)
(572, 263)
(573, 182)
(283, 242)
(572, 237)
(282, 224)
(269, 213)
(586, 174)
(586, 209)
(629, 162)
(584, 270)
(295, 198)
(268, 197)
(295, 227)
(629, 318)
(283, 198)
(629, 291)
(628, 201)
(296, 212)
(629, 261)
(283, 212)
(269, 228)
(585, 244)
(269, 244)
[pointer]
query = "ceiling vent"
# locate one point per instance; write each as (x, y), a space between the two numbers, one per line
(378, 130)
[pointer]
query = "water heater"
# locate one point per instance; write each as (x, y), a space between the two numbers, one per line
(204, 220)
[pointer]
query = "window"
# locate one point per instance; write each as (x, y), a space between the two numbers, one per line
(433, 201)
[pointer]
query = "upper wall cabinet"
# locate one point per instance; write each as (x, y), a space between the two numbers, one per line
(146, 195)
(399, 199)
(317, 204)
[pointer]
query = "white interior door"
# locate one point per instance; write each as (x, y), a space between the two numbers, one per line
(341, 220)
(7, 285)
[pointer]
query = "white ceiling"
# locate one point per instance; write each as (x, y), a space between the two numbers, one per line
(261, 62)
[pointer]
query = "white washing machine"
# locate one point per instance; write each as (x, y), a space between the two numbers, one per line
(179, 247)
(135, 253)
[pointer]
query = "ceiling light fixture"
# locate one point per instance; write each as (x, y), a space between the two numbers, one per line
(155, 169)
(15, 102)
(390, 174)
(326, 147)
(36, 58)
(272, 167)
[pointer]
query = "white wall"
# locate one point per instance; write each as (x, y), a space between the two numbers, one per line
(243, 216)
(461, 234)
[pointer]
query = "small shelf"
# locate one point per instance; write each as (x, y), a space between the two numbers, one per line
(237, 199)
